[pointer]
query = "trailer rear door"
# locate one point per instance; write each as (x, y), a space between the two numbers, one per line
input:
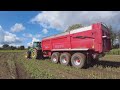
(106, 39)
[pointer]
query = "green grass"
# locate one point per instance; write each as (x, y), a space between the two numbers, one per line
(114, 52)
(37, 69)
(44, 69)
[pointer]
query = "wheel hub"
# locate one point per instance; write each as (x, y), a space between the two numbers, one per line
(64, 60)
(54, 59)
(33, 54)
(77, 62)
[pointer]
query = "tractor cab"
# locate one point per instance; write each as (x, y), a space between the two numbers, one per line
(36, 45)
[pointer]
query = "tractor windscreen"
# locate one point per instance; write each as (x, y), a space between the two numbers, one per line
(36, 44)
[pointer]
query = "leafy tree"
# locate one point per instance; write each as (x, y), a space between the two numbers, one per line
(0, 48)
(5, 46)
(28, 47)
(13, 47)
(74, 26)
(21, 48)
(118, 37)
(112, 35)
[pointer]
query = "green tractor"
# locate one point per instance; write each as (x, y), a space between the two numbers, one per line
(35, 51)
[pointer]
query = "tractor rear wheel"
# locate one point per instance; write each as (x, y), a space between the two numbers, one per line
(35, 54)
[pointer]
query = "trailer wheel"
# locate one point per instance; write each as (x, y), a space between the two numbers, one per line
(55, 57)
(78, 60)
(65, 59)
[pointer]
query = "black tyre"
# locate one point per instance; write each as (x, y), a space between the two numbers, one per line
(78, 60)
(55, 57)
(65, 59)
(35, 54)
(28, 54)
(40, 54)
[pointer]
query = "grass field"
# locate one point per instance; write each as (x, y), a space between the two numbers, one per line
(114, 52)
(13, 65)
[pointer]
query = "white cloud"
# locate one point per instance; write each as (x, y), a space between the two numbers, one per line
(38, 35)
(45, 31)
(47, 20)
(29, 44)
(1, 34)
(28, 35)
(1, 45)
(11, 38)
(33, 37)
(33, 40)
(8, 38)
(60, 20)
(17, 27)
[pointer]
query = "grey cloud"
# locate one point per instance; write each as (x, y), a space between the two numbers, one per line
(60, 20)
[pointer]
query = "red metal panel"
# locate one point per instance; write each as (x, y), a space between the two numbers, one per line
(90, 37)
(46, 44)
(98, 37)
(85, 42)
(61, 42)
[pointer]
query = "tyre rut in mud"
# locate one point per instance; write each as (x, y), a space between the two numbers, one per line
(10, 68)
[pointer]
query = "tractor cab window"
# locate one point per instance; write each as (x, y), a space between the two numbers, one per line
(36, 44)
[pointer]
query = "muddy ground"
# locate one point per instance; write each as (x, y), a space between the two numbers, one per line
(13, 65)
(10, 68)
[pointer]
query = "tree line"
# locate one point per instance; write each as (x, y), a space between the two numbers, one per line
(7, 47)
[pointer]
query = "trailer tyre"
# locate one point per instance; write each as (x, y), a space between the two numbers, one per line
(65, 59)
(78, 60)
(55, 57)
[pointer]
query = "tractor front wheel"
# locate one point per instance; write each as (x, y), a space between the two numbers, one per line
(28, 54)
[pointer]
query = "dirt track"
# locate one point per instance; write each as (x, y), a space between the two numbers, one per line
(11, 68)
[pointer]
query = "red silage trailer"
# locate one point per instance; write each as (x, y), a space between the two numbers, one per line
(78, 47)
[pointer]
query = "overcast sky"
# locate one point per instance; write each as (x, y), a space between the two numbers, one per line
(23, 27)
